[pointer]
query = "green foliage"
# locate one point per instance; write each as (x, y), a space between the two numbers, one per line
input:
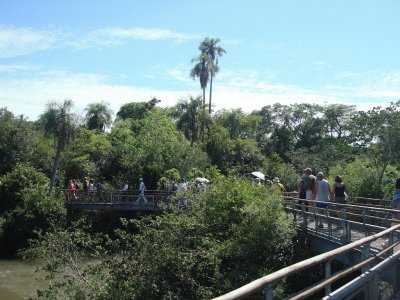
(275, 167)
(194, 172)
(98, 116)
(219, 147)
(87, 156)
(136, 110)
(20, 143)
(172, 174)
(26, 206)
(362, 179)
(245, 157)
(23, 178)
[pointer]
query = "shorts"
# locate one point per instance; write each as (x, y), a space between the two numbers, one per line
(322, 205)
(341, 200)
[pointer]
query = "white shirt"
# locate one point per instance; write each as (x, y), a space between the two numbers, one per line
(142, 187)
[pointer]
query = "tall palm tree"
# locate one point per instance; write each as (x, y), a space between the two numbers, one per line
(59, 122)
(201, 70)
(98, 116)
(210, 47)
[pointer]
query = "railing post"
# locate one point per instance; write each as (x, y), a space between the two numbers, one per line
(387, 221)
(364, 216)
(396, 279)
(304, 215)
(294, 208)
(373, 290)
(327, 275)
(269, 292)
(346, 236)
(315, 217)
(364, 255)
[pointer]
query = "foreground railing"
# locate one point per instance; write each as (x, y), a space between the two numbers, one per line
(268, 282)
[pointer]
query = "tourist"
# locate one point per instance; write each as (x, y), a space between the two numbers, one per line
(142, 189)
(276, 181)
(99, 189)
(339, 190)
(302, 194)
(308, 181)
(126, 187)
(72, 189)
(322, 193)
(258, 182)
(85, 184)
(182, 188)
(91, 189)
(396, 198)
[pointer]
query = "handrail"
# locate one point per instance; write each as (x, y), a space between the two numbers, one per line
(341, 274)
(270, 279)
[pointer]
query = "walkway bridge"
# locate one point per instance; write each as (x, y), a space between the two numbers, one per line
(363, 237)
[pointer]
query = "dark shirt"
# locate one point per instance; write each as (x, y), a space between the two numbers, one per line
(339, 191)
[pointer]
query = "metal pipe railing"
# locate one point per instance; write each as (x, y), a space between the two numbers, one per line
(270, 280)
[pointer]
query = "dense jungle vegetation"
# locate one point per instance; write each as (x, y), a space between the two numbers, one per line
(186, 254)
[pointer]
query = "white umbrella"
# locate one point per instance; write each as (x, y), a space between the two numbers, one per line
(258, 175)
(201, 179)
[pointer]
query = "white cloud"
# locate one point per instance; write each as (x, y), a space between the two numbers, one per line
(244, 89)
(13, 68)
(150, 34)
(17, 41)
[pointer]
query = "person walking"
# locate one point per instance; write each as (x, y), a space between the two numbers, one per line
(396, 198)
(307, 186)
(72, 189)
(339, 190)
(142, 189)
(277, 182)
(322, 193)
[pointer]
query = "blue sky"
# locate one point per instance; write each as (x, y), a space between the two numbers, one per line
(123, 51)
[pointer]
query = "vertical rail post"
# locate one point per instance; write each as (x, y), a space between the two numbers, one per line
(396, 279)
(327, 275)
(269, 292)
(364, 255)
(373, 290)
(364, 216)
(304, 215)
(346, 235)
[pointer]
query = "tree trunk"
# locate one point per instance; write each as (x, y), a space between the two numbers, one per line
(209, 101)
(385, 164)
(55, 167)
(203, 127)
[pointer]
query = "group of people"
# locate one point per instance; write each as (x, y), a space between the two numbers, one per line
(317, 188)
(199, 184)
(276, 181)
(141, 189)
(87, 187)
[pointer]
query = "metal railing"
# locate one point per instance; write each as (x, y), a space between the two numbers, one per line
(267, 283)
(343, 221)
(112, 197)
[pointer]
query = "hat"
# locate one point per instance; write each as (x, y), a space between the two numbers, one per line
(276, 179)
(140, 179)
(320, 174)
